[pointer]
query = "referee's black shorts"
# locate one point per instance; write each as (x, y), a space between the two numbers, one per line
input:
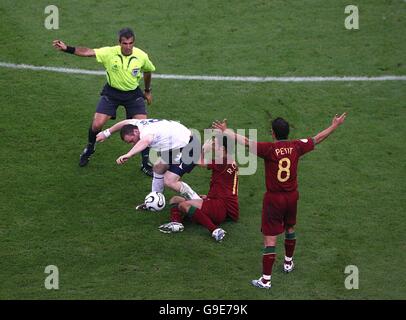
(111, 98)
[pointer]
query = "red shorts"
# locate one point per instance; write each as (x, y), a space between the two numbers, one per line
(278, 212)
(215, 209)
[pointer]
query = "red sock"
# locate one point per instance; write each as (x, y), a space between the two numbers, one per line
(176, 215)
(290, 247)
(268, 259)
(199, 217)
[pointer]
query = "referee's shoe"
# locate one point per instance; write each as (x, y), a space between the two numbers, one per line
(87, 152)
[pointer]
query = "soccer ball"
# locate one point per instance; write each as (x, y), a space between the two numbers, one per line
(155, 201)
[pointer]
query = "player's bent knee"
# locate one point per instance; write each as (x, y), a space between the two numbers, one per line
(170, 183)
(270, 241)
(160, 168)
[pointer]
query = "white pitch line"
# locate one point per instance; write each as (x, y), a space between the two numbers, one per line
(210, 78)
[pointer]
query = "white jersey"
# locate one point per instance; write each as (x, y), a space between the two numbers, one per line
(167, 134)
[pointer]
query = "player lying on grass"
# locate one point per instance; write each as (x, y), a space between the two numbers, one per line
(280, 200)
(178, 147)
(221, 201)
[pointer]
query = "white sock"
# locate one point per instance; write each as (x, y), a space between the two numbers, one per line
(188, 192)
(287, 259)
(266, 277)
(158, 183)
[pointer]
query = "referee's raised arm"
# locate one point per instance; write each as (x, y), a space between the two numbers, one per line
(79, 51)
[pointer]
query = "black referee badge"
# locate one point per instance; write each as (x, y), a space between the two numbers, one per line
(134, 72)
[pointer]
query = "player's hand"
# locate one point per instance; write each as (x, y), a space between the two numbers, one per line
(220, 125)
(59, 45)
(100, 137)
(208, 145)
(148, 97)
(338, 120)
(122, 159)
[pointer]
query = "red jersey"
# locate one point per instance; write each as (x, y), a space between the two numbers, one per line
(281, 161)
(224, 185)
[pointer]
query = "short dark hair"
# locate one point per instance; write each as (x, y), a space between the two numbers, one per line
(280, 128)
(126, 33)
(127, 130)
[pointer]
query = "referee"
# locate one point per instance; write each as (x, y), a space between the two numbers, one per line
(124, 66)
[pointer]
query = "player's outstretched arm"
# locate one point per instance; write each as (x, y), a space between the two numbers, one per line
(207, 146)
(138, 147)
(101, 136)
(337, 121)
(79, 51)
(222, 125)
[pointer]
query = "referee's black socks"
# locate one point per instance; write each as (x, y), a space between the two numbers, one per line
(92, 136)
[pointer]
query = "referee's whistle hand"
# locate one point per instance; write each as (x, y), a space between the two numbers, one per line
(148, 97)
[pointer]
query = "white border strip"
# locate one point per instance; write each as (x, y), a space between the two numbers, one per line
(210, 78)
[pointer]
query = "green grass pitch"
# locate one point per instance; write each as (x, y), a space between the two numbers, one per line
(352, 203)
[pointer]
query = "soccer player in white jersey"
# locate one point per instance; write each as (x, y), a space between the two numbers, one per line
(178, 148)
